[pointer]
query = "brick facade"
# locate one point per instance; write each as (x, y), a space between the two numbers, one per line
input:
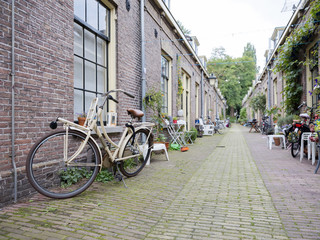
(44, 87)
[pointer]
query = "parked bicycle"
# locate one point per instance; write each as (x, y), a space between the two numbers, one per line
(295, 132)
(65, 163)
(265, 127)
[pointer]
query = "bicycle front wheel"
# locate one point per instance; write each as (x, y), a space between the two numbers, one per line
(139, 147)
(295, 149)
(48, 172)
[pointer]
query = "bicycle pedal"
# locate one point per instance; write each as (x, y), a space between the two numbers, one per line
(118, 177)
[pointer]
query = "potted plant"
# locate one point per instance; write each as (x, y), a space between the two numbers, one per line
(174, 119)
(277, 140)
(82, 118)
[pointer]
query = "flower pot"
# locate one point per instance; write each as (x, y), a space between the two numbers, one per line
(81, 120)
(174, 121)
(276, 141)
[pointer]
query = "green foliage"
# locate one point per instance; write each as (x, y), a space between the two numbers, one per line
(288, 119)
(154, 102)
(273, 112)
(73, 175)
(235, 75)
(315, 10)
(183, 28)
(289, 63)
(258, 102)
(194, 133)
(243, 115)
(104, 176)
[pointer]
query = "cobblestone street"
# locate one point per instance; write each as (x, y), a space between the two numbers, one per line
(227, 186)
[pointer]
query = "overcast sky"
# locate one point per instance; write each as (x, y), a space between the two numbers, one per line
(232, 23)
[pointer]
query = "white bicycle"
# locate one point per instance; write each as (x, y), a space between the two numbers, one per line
(65, 162)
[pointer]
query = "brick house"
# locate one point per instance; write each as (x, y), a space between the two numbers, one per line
(57, 55)
(271, 82)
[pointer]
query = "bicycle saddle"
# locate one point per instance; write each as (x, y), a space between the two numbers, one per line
(135, 113)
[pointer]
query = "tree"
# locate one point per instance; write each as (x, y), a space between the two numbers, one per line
(183, 28)
(235, 75)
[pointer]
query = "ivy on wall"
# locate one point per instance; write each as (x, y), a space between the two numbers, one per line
(288, 61)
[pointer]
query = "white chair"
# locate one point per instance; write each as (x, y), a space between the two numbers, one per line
(157, 147)
(270, 140)
(311, 146)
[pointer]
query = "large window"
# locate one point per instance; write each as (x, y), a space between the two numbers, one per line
(165, 83)
(91, 38)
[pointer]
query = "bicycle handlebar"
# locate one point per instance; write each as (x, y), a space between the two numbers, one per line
(109, 97)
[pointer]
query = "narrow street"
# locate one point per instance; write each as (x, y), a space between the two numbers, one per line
(227, 186)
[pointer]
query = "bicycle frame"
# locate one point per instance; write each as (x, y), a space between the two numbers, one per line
(90, 125)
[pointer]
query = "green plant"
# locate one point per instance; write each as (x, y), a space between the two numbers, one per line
(73, 175)
(258, 102)
(104, 176)
(154, 102)
(161, 137)
(83, 115)
(175, 118)
(243, 115)
(288, 60)
(194, 134)
(273, 112)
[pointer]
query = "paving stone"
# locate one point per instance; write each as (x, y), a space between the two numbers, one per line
(240, 191)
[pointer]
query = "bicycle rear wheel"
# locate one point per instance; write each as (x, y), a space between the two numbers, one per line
(51, 176)
(295, 149)
(139, 144)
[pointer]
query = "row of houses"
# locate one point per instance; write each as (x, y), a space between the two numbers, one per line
(57, 55)
(292, 64)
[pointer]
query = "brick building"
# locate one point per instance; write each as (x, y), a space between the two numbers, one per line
(271, 82)
(57, 55)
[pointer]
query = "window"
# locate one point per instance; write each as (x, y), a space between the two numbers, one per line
(91, 39)
(165, 83)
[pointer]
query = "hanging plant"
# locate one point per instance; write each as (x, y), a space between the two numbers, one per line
(179, 73)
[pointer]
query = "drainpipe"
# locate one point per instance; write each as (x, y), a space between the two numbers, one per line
(269, 91)
(12, 104)
(143, 69)
(202, 95)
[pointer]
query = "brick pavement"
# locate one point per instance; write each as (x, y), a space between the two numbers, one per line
(293, 186)
(213, 191)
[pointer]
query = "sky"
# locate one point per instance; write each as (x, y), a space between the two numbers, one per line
(232, 23)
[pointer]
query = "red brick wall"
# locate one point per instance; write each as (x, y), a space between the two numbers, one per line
(43, 77)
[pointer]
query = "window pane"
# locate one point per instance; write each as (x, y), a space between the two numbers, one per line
(90, 70)
(92, 10)
(101, 52)
(78, 39)
(102, 79)
(79, 8)
(78, 70)
(102, 19)
(90, 46)
(78, 103)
